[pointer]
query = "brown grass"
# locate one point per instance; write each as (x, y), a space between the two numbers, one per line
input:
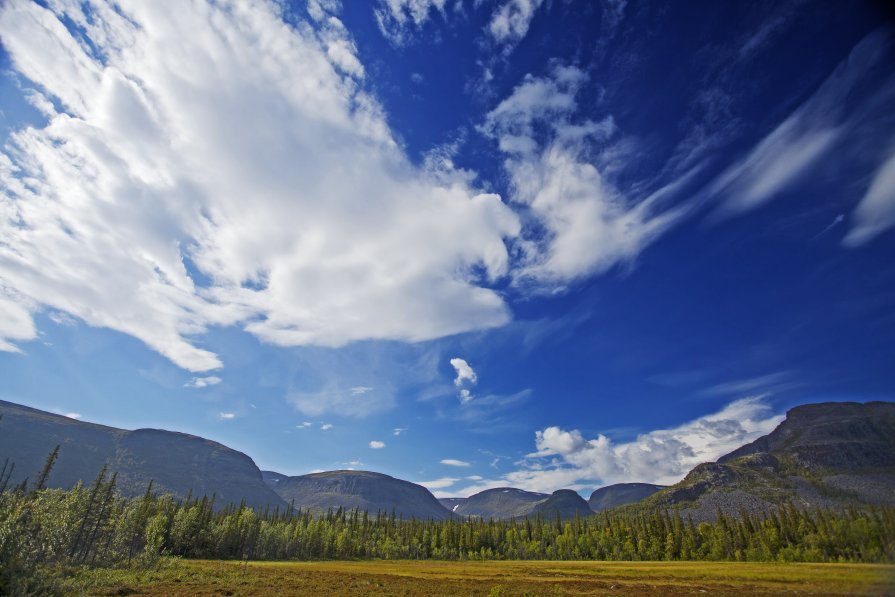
(491, 579)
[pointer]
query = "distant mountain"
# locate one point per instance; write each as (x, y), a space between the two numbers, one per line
(175, 462)
(827, 455)
(620, 494)
(564, 502)
(452, 504)
(503, 502)
(373, 492)
(271, 478)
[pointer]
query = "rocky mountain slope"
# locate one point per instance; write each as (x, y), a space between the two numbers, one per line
(828, 455)
(175, 462)
(373, 492)
(452, 503)
(620, 494)
(503, 502)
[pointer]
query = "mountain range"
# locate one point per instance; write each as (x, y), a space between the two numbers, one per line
(830, 454)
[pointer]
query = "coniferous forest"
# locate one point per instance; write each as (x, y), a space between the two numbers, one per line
(92, 525)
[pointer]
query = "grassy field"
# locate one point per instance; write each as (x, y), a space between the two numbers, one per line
(489, 579)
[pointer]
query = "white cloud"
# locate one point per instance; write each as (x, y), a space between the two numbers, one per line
(360, 390)
(810, 133)
(398, 431)
(466, 377)
(109, 210)
(511, 20)
(876, 211)
(454, 462)
(203, 382)
(377, 445)
(326, 427)
(553, 440)
(226, 416)
(465, 373)
(398, 19)
(304, 425)
(590, 225)
(566, 459)
(473, 478)
(438, 483)
(15, 321)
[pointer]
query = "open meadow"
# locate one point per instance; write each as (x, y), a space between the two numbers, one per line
(214, 577)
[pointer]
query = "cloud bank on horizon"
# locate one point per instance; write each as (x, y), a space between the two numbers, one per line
(565, 458)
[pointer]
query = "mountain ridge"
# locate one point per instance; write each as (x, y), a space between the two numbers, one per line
(176, 462)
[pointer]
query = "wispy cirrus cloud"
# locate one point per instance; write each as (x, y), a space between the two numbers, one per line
(510, 21)
(832, 116)
(399, 20)
(876, 211)
(454, 462)
(441, 483)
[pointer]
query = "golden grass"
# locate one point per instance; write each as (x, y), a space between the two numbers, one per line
(209, 577)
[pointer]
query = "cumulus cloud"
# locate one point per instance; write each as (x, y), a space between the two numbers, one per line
(203, 382)
(583, 224)
(465, 373)
(454, 462)
(377, 445)
(566, 458)
(466, 377)
(326, 427)
(192, 175)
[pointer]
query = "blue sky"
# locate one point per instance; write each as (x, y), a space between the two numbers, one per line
(470, 244)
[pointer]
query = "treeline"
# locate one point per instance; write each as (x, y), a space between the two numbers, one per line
(93, 525)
